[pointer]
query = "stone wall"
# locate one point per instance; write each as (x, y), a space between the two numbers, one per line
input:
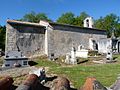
(32, 39)
(29, 40)
(67, 36)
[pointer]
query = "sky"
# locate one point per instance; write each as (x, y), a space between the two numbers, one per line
(16, 9)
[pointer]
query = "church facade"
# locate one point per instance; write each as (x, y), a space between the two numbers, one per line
(46, 38)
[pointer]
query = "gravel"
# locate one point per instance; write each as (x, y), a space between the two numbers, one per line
(21, 73)
(15, 72)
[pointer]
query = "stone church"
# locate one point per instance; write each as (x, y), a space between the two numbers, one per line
(48, 38)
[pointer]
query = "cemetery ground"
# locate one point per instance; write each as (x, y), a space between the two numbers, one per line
(77, 74)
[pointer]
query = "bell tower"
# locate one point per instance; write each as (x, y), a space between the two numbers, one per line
(88, 22)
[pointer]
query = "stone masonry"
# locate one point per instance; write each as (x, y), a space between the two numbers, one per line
(66, 36)
(47, 38)
(25, 38)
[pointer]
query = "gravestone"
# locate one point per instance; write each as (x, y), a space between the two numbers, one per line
(13, 54)
(81, 52)
(73, 57)
(109, 57)
(15, 59)
(80, 47)
(67, 59)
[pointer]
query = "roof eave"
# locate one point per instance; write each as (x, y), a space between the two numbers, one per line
(24, 23)
(52, 23)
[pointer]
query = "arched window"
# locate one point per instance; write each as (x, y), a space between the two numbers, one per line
(87, 22)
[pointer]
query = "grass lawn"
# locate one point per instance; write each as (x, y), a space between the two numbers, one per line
(105, 73)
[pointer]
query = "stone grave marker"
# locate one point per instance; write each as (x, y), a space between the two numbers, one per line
(73, 57)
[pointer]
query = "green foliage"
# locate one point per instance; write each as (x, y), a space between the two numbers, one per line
(79, 19)
(100, 23)
(66, 18)
(69, 18)
(33, 17)
(109, 23)
(2, 37)
(117, 30)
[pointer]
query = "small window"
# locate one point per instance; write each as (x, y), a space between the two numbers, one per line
(7, 65)
(25, 62)
(87, 20)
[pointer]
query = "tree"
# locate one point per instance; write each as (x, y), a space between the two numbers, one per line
(117, 30)
(66, 18)
(109, 22)
(33, 17)
(100, 23)
(79, 19)
(2, 37)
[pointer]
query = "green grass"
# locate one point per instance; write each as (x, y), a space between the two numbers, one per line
(47, 63)
(116, 57)
(105, 73)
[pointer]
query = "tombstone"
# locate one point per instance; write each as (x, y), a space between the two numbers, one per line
(15, 59)
(80, 47)
(73, 57)
(67, 59)
(109, 53)
(81, 52)
(13, 54)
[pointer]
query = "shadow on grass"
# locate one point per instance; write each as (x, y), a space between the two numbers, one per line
(115, 58)
(80, 62)
(32, 63)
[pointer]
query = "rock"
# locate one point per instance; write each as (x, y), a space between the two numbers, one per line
(61, 83)
(92, 84)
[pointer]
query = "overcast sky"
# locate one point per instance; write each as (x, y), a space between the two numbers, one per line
(16, 9)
